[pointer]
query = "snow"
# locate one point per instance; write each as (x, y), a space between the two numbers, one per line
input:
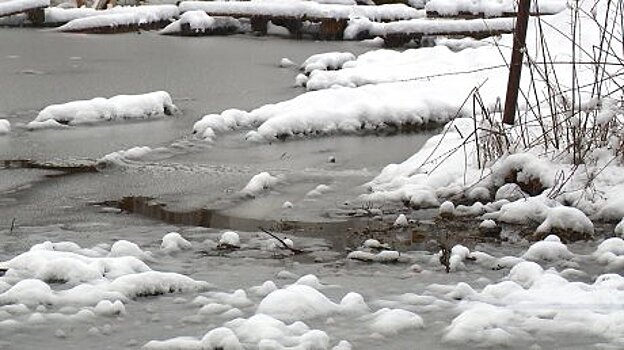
(488, 224)
(5, 127)
(230, 238)
(619, 228)
(260, 183)
(199, 22)
(173, 242)
(359, 27)
(123, 157)
(146, 106)
(447, 166)
(401, 221)
(386, 256)
(15, 6)
(286, 62)
(308, 9)
(375, 244)
(122, 16)
(566, 218)
(549, 249)
(326, 61)
(319, 191)
(64, 274)
(390, 322)
(490, 8)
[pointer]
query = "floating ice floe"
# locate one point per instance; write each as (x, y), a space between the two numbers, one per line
(5, 127)
(147, 106)
(197, 23)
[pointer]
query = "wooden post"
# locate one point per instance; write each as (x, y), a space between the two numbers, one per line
(517, 55)
(36, 16)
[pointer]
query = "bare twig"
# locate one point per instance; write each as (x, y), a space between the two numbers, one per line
(284, 245)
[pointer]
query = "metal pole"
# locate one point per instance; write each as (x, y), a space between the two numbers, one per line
(517, 55)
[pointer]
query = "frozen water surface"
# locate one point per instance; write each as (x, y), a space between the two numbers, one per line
(408, 304)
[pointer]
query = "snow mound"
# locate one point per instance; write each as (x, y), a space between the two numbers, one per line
(401, 221)
(147, 106)
(326, 61)
(5, 127)
(390, 322)
(173, 242)
(63, 274)
(121, 158)
(230, 238)
(260, 183)
(549, 249)
(297, 302)
(198, 22)
(566, 219)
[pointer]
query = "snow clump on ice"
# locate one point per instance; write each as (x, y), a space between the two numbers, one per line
(230, 238)
(173, 242)
(5, 127)
(151, 105)
(259, 183)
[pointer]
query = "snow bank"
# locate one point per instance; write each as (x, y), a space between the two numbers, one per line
(16, 6)
(259, 183)
(448, 165)
(490, 8)
(198, 22)
(5, 127)
(308, 9)
(64, 274)
(122, 16)
(151, 105)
